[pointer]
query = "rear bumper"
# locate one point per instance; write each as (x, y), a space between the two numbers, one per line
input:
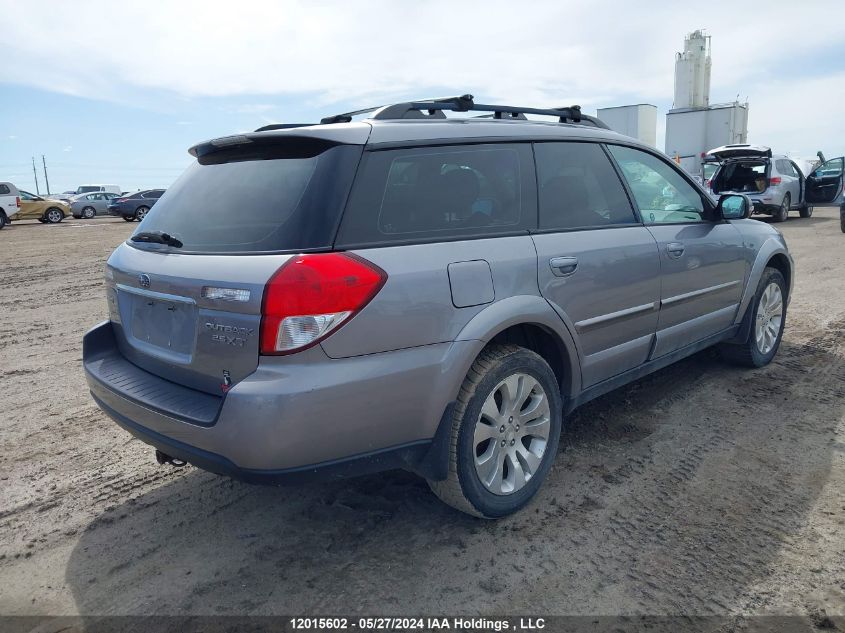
(119, 210)
(293, 418)
(764, 207)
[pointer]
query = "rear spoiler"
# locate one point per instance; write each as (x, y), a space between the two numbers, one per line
(352, 134)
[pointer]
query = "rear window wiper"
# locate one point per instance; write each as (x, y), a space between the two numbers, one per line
(157, 237)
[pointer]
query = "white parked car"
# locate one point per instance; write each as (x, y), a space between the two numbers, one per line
(97, 188)
(10, 202)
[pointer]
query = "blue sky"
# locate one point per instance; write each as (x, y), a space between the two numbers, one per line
(123, 103)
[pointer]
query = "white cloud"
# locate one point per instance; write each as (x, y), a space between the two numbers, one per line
(67, 148)
(544, 53)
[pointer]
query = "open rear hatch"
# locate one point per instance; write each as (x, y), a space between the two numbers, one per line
(741, 150)
(742, 168)
(185, 291)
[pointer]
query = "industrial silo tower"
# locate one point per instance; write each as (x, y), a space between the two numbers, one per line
(693, 125)
(692, 72)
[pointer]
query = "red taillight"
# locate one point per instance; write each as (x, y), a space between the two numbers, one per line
(311, 296)
(774, 181)
(18, 201)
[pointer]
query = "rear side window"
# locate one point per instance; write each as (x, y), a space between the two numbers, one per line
(278, 197)
(153, 194)
(431, 193)
(4, 189)
(579, 187)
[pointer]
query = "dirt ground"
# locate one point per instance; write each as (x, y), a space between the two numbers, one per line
(702, 489)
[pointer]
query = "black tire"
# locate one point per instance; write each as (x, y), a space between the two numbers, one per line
(88, 213)
(54, 215)
(42, 220)
(842, 220)
(748, 354)
(129, 218)
(141, 212)
(3, 220)
(806, 211)
(463, 488)
(782, 213)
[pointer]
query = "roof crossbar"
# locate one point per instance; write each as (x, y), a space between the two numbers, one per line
(435, 108)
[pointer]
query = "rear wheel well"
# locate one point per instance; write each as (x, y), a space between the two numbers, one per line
(542, 341)
(781, 263)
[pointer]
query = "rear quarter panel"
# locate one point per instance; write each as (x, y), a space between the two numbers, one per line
(415, 306)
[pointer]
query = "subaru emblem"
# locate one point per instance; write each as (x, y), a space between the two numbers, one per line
(144, 280)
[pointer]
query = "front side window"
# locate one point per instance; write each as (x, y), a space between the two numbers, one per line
(578, 187)
(832, 167)
(439, 192)
(661, 192)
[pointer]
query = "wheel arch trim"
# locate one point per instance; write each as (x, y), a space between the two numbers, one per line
(772, 251)
(527, 310)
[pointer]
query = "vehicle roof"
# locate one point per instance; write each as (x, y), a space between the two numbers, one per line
(387, 132)
(401, 131)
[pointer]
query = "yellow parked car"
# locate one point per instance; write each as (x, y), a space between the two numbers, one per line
(42, 209)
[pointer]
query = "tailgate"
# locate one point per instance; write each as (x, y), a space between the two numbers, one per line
(191, 319)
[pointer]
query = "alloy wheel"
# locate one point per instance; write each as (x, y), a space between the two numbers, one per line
(511, 434)
(769, 318)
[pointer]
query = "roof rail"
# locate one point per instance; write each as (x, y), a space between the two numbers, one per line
(434, 108)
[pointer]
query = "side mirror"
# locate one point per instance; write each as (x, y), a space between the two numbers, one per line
(734, 206)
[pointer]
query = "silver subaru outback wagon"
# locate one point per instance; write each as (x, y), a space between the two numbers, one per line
(419, 291)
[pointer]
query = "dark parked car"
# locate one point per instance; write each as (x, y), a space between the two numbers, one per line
(135, 205)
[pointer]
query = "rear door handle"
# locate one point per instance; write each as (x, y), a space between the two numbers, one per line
(563, 266)
(675, 249)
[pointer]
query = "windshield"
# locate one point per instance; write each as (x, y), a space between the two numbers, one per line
(86, 189)
(279, 198)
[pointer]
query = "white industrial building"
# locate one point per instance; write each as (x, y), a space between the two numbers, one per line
(638, 121)
(693, 126)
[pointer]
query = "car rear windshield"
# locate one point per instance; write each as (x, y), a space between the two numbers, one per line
(274, 198)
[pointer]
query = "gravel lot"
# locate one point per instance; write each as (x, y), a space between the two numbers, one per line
(702, 489)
